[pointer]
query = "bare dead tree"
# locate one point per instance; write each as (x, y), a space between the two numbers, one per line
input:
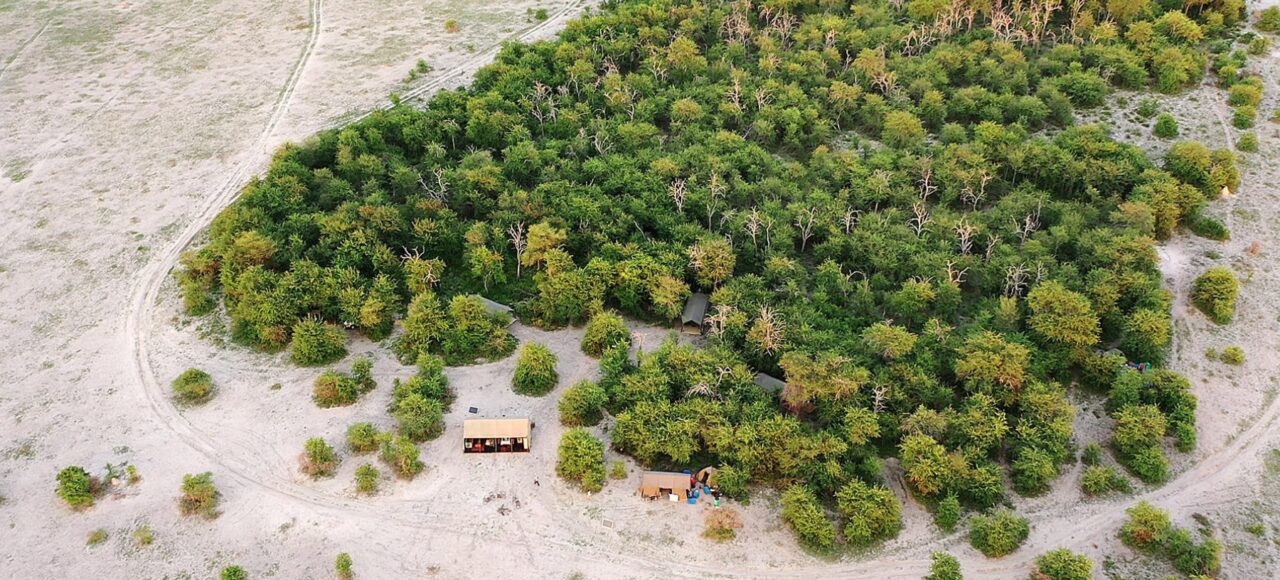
(1030, 224)
(927, 188)
(805, 218)
(879, 395)
(992, 241)
(1015, 280)
(439, 190)
(964, 233)
(771, 326)
(677, 192)
(956, 276)
(753, 226)
(717, 191)
(517, 235)
(850, 220)
(716, 323)
(921, 219)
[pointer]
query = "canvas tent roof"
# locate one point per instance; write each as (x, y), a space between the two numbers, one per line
(494, 428)
(695, 309)
(664, 480)
(768, 383)
(494, 307)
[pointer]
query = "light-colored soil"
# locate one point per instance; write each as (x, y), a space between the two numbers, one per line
(129, 125)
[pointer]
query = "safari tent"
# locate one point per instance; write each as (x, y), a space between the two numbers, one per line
(769, 383)
(496, 307)
(662, 484)
(695, 312)
(495, 436)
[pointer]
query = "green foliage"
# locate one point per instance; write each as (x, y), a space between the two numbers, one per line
(618, 470)
(342, 565)
(362, 438)
(193, 386)
(1269, 19)
(870, 513)
(1208, 227)
(367, 477)
(1100, 480)
(233, 573)
(401, 455)
(1248, 143)
(1146, 526)
(1166, 126)
(199, 495)
(318, 458)
(535, 371)
(362, 373)
(1233, 355)
(803, 514)
(77, 487)
(948, 513)
(1062, 316)
(317, 343)
(1092, 455)
(944, 566)
(418, 417)
(144, 535)
(998, 533)
(733, 482)
(335, 389)
(1214, 293)
(1063, 564)
(605, 330)
(582, 404)
(97, 536)
(1147, 108)
(581, 459)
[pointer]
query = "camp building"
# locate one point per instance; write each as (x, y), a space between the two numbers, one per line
(695, 312)
(495, 435)
(663, 484)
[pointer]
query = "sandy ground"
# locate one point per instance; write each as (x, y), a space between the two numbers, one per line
(128, 125)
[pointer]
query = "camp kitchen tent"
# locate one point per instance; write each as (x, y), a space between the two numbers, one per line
(660, 484)
(495, 435)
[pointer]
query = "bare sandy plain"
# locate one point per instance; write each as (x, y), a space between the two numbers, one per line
(128, 125)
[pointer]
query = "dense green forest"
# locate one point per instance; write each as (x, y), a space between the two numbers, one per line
(888, 202)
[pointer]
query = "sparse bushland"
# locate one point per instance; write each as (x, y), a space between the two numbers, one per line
(535, 371)
(948, 513)
(144, 535)
(199, 495)
(402, 456)
(1214, 293)
(1232, 355)
(870, 513)
(581, 459)
(362, 438)
(97, 536)
(618, 469)
(1148, 529)
(318, 458)
(1100, 480)
(879, 279)
(998, 533)
(335, 389)
(1166, 126)
(193, 386)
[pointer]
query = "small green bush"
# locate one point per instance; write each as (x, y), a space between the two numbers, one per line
(419, 418)
(871, 513)
(334, 389)
(732, 481)
(77, 487)
(535, 370)
(803, 514)
(362, 438)
(1201, 559)
(944, 566)
(998, 533)
(1208, 227)
(199, 495)
(948, 513)
(1147, 108)
(143, 535)
(582, 404)
(605, 330)
(618, 470)
(1232, 355)
(1166, 126)
(1269, 19)
(581, 459)
(362, 373)
(367, 479)
(1248, 143)
(1092, 454)
(1146, 526)
(233, 573)
(343, 566)
(1242, 117)
(402, 456)
(1099, 480)
(1214, 293)
(1063, 564)
(317, 343)
(193, 386)
(318, 458)
(97, 536)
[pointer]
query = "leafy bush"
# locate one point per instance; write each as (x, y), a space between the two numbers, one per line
(1063, 564)
(199, 495)
(343, 566)
(1150, 465)
(1166, 126)
(870, 513)
(1098, 480)
(948, 513)
(1147, 108)
(97, 536)
(618, 469)
(1201, 559)
(722, 524)
(1145, 527)
(605, 330)
(193, 386)
(419, 418)
(334, 389)
(363, 438)
(944, 566)
(1208, 227)
(317, 343)
(535, 370)
(233, 573)
(1092, 454)
(1214, 293)
(1233, 355)
(77, 487)
(367, 479)
(581, 459)
(732, 481)
(143, 535)
(362, 373)
(1242, 117)
(1248, 143)
(582, 404)
(1269, 19)
(318, 458)
(803, 514)
(998, 533)
(401, 455)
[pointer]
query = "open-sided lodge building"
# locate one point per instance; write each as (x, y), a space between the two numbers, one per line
(496, 436)
(661, 484)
